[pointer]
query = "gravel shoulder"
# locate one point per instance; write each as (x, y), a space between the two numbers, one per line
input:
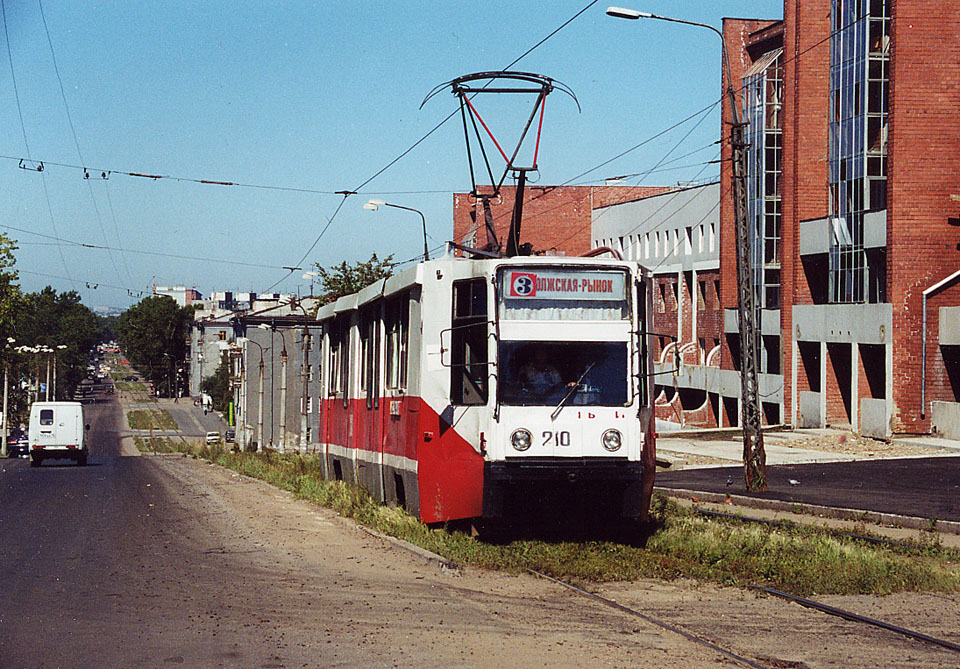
(308, 588)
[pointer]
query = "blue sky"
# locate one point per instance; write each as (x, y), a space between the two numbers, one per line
(313, 96)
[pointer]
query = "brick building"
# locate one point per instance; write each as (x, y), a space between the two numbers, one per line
(854, 185)
(555, 218)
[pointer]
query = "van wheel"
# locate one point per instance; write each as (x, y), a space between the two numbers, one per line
(34, 462)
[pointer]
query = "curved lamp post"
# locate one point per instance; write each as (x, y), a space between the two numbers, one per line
(283, 388)
(259, 396)
(374, 205)
(754, 459)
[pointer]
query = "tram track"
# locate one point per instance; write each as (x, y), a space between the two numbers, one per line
(802, 601)
(692, 636)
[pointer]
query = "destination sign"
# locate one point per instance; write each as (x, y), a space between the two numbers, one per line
(551, 284)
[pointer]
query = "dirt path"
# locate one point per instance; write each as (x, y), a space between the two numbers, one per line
(315, 590)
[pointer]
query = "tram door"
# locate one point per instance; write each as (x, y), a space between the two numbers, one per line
(398, 415)
(369, 440)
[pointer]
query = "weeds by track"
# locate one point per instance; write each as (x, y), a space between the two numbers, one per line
(681, 543)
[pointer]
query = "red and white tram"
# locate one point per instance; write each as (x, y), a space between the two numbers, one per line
(457, 384)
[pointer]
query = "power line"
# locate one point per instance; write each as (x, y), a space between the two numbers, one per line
(149, 253)
(76, 141)
(23, 129)
(348, 193)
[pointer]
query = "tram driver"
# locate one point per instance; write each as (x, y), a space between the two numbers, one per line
(539, 375)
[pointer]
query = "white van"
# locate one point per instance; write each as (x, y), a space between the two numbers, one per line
(57, 430)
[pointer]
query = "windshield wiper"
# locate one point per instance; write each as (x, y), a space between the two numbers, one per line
(570, 393)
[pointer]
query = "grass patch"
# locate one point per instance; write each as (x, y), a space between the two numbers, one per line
(130, 385)
(799, 559)
(147, 419)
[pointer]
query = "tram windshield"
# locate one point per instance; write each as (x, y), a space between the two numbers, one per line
(544, 373)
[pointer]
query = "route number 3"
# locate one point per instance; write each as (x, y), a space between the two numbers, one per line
(523, 285)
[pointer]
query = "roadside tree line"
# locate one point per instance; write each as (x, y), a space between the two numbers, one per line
(41, 333)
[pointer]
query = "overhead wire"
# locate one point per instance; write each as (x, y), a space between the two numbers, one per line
(23, 129)
(76, 141)
(160, 254)
(417, 143)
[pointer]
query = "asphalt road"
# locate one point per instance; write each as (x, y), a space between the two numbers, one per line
(169, 561)
(917, 487)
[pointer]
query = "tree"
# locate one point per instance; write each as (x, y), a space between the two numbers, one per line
(345, 278)
(10, 295)
(217, 386)
(58, 320)
(153, 334)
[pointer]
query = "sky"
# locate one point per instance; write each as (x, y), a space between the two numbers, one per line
(295, 101)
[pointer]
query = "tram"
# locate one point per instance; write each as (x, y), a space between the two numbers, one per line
(460, 388)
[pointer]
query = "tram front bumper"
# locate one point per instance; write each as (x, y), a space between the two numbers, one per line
(532, 474)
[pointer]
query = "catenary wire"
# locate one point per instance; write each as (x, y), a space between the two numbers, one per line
(76, 141)
(23, 128)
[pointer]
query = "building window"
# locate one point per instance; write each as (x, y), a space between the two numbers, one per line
(859, 83)
(763, 101)
(222, 335)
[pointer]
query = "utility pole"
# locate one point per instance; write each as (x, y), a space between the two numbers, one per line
(754, 458)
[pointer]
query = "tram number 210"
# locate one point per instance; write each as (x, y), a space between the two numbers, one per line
(551, 438)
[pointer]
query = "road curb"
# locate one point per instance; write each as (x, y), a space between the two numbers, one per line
(447, 566)
(838, 513)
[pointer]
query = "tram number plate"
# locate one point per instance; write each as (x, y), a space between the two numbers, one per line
(551, 438)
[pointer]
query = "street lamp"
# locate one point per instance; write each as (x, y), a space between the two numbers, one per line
(60, 347)
(374, 205)
(259, 396)
(304, 367)
(311, 276)
(283, 388)
(6, 375)
(753, 453)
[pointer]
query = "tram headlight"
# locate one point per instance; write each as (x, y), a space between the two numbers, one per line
(521, 439)
(612, 440)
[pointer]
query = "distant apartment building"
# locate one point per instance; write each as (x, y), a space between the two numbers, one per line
(853, 188)
(214, 328)
(181, 294)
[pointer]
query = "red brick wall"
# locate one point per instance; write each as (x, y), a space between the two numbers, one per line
(554, 217)
(924, 159)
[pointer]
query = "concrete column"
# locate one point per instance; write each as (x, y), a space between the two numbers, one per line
(823, 384)
(855, 387)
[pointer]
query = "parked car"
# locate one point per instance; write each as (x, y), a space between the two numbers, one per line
(213, 438)
(17, 444)
(230, 435)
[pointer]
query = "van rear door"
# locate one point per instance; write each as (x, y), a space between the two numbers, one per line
(46, 427)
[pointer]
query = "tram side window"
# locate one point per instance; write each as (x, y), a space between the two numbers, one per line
(369, 348)
(397, 324)
(334, 362)
(468, 355)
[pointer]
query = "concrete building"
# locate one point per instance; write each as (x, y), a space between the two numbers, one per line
(276, 372)
(676, 235)
(181, 294)
(854, 180)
